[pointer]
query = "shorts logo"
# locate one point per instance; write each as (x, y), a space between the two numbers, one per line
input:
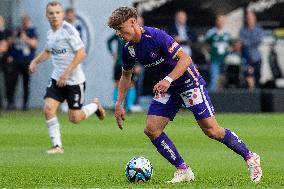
(76, 105)
(192, 97)
(49, 83)
(131, 51)
(76, 97)
(172, 48)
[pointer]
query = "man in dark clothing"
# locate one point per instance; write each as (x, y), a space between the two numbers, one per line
(22, 52)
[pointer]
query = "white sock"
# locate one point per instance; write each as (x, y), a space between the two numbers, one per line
(54, 131)
(90, 109)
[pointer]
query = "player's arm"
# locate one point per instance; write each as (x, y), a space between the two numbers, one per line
(78, 58)
(184, 61)
(123, 85)
(41, 57)
(172, 49)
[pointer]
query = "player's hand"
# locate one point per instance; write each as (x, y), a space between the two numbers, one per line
(62, 79)
(32, 67)
(161, 87)
(119, 114)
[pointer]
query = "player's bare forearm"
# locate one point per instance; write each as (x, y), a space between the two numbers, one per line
(182, 65)
(123, 86)
(41, 57)
(124, 83)
(184, 61)
(78, 58)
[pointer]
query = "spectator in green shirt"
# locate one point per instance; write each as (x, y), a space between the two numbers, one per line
(219, 41)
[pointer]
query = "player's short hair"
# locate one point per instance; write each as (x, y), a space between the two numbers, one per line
(53, 3)
(121, 15)
(70, 9)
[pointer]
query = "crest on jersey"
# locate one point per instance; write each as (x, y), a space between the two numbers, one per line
(153, 54)
(131, 51)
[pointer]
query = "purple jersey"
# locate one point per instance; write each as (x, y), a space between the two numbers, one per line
(157, 50)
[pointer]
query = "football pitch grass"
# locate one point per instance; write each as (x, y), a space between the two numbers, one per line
(96, 152)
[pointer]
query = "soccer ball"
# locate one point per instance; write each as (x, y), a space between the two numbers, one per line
(138, 169)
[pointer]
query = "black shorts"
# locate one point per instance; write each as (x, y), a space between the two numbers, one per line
(117, 71)
(73, 94)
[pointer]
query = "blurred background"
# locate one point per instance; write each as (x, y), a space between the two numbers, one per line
(238, 47)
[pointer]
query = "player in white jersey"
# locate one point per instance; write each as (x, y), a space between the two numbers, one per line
(66, 50)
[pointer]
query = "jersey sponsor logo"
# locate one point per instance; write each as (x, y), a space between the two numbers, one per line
(187, 81)
(172, 48)
(131, 51)
(155, 63)
(58, 51)
(191, 97)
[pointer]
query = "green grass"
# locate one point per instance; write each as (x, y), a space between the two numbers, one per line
(96, 152)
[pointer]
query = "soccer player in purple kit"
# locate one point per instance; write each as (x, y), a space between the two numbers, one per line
(180, 84)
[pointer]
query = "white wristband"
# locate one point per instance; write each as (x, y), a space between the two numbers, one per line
(169, 79)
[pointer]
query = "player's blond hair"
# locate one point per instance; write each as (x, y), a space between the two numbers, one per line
(53, 3)
(121, 15)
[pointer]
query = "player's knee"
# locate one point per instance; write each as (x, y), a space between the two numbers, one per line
(48, 111)
(213, 133)
(74, 119)
(151, 132)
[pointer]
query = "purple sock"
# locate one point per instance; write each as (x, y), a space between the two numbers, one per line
(232, 141)
(168, 150)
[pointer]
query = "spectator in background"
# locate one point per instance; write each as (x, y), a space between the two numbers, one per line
(251, 36)
(219, 41)
(23, 49)
(5, 34)
(273, 61)
(71, 17)
(182, 33)
(234, 64)
(274, 66)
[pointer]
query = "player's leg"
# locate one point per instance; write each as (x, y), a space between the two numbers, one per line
(211, 128)
(50, 108)
(204, 114)
(77, 112)
(161, 111)
(52, 99)
(78, 115)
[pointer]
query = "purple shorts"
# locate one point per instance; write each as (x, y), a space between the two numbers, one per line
(195, 100)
